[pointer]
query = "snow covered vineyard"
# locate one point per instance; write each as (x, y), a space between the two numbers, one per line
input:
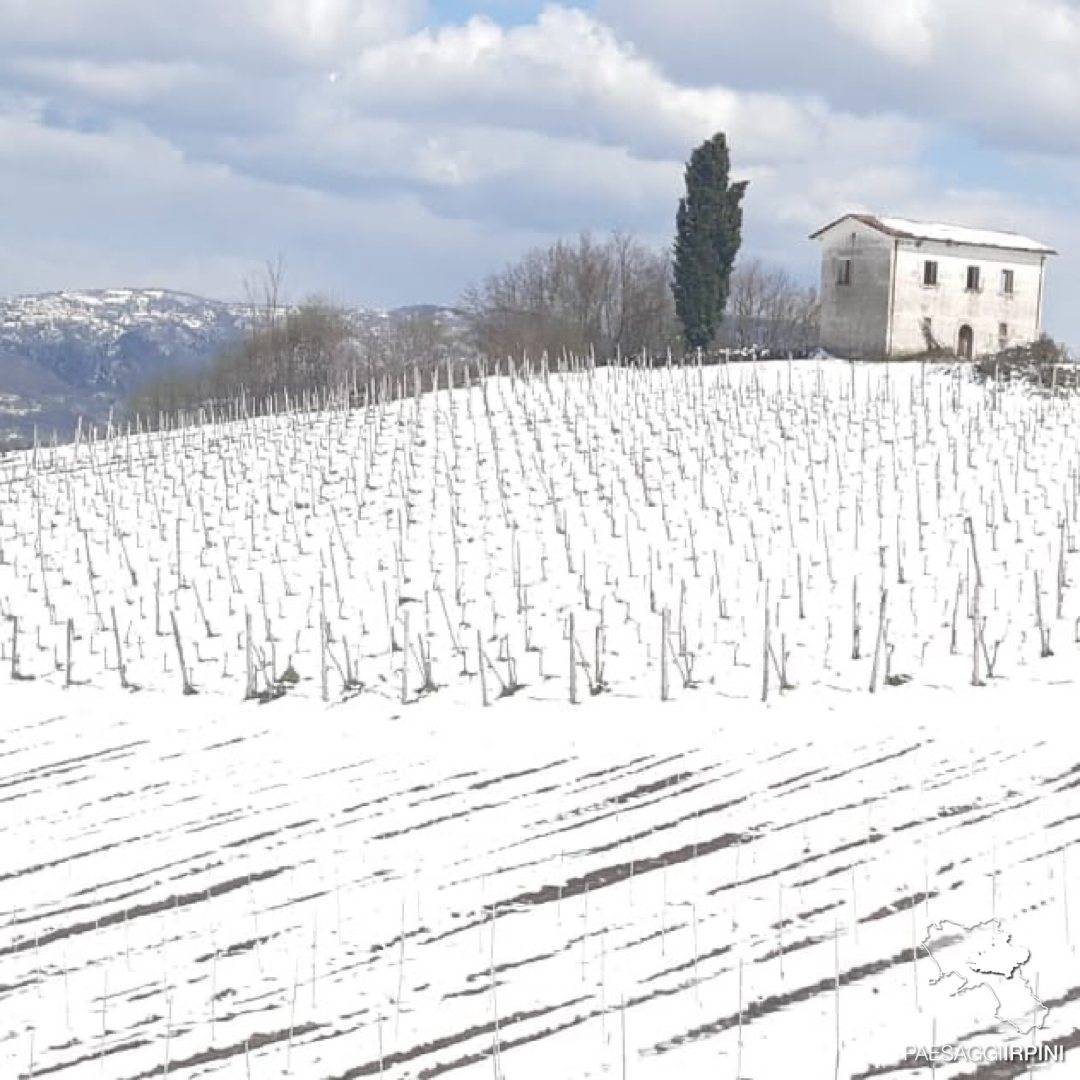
(381, 551)
(402, 882)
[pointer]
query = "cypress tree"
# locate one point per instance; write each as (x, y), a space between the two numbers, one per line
(708, 231)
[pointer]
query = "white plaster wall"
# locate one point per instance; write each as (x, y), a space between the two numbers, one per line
(854, 318)
(949, 305)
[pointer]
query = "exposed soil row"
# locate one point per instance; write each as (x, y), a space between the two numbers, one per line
(128, 914)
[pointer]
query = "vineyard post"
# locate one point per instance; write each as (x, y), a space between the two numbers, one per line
(480, 666)
(1061, 577)
(249, 691)
(185, 678)
(120, 666)
(879, 642)
(738, 1066)
(976, 676)
(14, 647)
(665, 620)
(573, 664)
(765, 651)
(495, 1053)
(836, 953)
(401, 969)
(324, 685)
(780, 924)
(1044, 630)
(405, 662)
(622, 1015)
(856, 653)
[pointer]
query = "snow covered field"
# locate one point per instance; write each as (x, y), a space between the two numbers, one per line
(625, 865)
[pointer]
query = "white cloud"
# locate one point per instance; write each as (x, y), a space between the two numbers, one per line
(321, 30)
(393, 161)
(140, 212)
(568, 74)
(1007, 72)
(899, 28)
(243, 33)
(110, 82)
(560, 109)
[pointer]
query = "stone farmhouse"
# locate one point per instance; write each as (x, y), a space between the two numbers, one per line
(893, 287)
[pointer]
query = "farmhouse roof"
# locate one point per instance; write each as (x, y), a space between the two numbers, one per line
(906, 229)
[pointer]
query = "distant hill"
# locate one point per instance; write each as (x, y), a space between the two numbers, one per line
(82, 353)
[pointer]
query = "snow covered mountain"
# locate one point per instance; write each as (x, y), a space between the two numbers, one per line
(67, 354)
(107, 341)
(81, 353)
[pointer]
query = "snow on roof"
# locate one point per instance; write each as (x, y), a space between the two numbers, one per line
(907, 229)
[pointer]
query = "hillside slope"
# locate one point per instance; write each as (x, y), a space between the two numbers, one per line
(628, 723)
(81, 353)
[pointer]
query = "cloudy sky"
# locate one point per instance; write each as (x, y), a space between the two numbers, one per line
(392, 151)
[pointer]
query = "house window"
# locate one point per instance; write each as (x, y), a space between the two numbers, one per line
(843, 276)
(973, 279)
(929, 272)
(1003, 332)
(1007, 282)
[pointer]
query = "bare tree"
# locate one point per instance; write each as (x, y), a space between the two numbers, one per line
(265, 294)
(267, 307)
(605, 295)
(769, 309)
(411, 339)
(293, 351)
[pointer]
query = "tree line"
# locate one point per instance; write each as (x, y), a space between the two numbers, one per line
(606, 296)
(294, 352)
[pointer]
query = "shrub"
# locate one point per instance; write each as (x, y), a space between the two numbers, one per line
(1044, 364)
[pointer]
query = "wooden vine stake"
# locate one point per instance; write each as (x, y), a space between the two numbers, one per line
(1062, 580)
(856, 652)
(879, 642)
(836, 954)
(14, 647)
(977, 644)
(765, 651)
(250, 689)
(120, 665)
(622, 1015)
(480, 665)
(185, 678)
(665, 629)
(324, 681)
(1044, 630)
(405, 663)
(573, 664)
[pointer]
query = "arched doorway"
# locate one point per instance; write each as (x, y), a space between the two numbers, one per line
(965, 344)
